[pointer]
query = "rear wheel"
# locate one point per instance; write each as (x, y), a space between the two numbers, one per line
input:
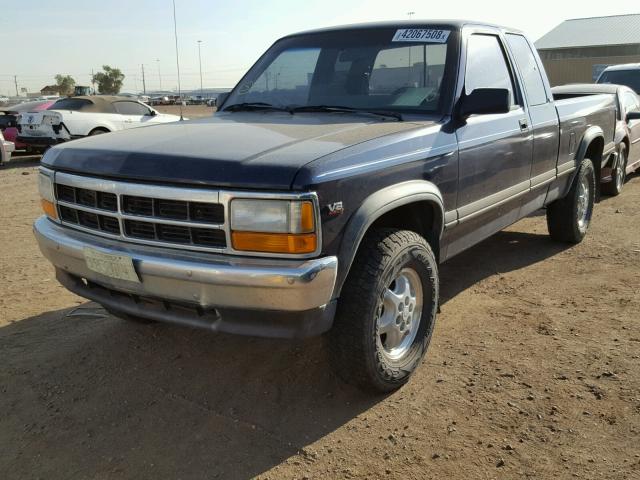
(568, 218)
(618, 175)
(386, 312)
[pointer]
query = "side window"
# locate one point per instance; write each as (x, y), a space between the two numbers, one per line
(130, 108)
(533, 84)
(486, 65)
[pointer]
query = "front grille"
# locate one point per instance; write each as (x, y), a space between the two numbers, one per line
(88, 198)
(173, 209)
(184, 218)
(103, 223)
(167, 221)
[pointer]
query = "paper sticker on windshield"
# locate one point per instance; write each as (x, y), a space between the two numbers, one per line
(421, 35)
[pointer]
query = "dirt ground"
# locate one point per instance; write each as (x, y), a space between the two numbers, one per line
(188, 111)
(533, 372)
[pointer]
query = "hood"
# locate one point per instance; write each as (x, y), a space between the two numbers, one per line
(238, 150)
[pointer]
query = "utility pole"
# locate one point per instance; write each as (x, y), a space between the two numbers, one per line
(159, 76)
(144, 85)
(175, 33)
(200, 62)
(15, 80)
(93, 83)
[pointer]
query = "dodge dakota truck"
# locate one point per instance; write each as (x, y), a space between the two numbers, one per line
(320, 199)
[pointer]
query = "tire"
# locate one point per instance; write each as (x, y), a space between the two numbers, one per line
(98, 131)
(618, 174)
(568, 218)
(128, 317)
(388, 261)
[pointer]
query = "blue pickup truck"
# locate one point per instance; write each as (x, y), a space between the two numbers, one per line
(343, 168)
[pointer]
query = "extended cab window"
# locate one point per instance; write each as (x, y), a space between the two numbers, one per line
(368, 69)
(130, 108)
(486, 65)
(74, 104)
(533, 84)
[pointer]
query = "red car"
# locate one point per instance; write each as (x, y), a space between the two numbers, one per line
(8, 119)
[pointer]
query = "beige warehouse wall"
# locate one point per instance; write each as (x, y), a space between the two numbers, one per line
(580, 70)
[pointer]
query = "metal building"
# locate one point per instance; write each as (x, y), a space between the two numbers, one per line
(578, 50)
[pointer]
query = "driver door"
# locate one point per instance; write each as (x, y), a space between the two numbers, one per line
(495, 150)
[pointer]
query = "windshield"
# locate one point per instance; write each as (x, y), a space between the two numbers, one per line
(374, 69)
(630, 78)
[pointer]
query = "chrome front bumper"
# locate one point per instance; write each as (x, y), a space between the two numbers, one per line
(208, 282)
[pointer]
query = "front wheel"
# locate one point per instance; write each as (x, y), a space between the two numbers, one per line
(568, 218)
(386, 312)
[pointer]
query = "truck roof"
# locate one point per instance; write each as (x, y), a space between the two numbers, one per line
(454, 24)
(624, 66)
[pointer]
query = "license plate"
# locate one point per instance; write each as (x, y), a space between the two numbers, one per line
(114, 266)
(32, 119)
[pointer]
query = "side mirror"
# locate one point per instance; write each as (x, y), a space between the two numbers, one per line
(221, 99)
(152, 113)
(484, 101)
(633, 116)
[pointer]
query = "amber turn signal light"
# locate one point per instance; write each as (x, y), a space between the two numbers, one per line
(49, 208)
(306, 217)
(274, 242)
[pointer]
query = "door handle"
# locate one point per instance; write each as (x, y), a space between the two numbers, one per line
(523, 124)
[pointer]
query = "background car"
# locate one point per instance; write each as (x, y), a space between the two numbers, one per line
(76, 117)
(8, 120)
(162, 100)
(627, 74)
(627, 136)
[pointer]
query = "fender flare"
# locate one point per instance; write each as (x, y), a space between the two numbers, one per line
(376, 205)
(589, 136)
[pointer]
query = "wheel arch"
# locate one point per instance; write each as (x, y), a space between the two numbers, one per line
(99, 128)
(591, 147)
(415, 205)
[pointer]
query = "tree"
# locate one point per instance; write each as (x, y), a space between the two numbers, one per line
(109, 80)
(65, 84)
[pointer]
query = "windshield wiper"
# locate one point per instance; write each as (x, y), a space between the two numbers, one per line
(249, 106)
(343, 109)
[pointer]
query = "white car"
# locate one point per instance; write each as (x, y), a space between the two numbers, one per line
(77, 117)
(6, 147)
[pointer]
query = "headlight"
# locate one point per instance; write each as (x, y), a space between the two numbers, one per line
(45, 187)
(275, 226)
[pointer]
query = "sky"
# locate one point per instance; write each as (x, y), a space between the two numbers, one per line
(42, 38)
